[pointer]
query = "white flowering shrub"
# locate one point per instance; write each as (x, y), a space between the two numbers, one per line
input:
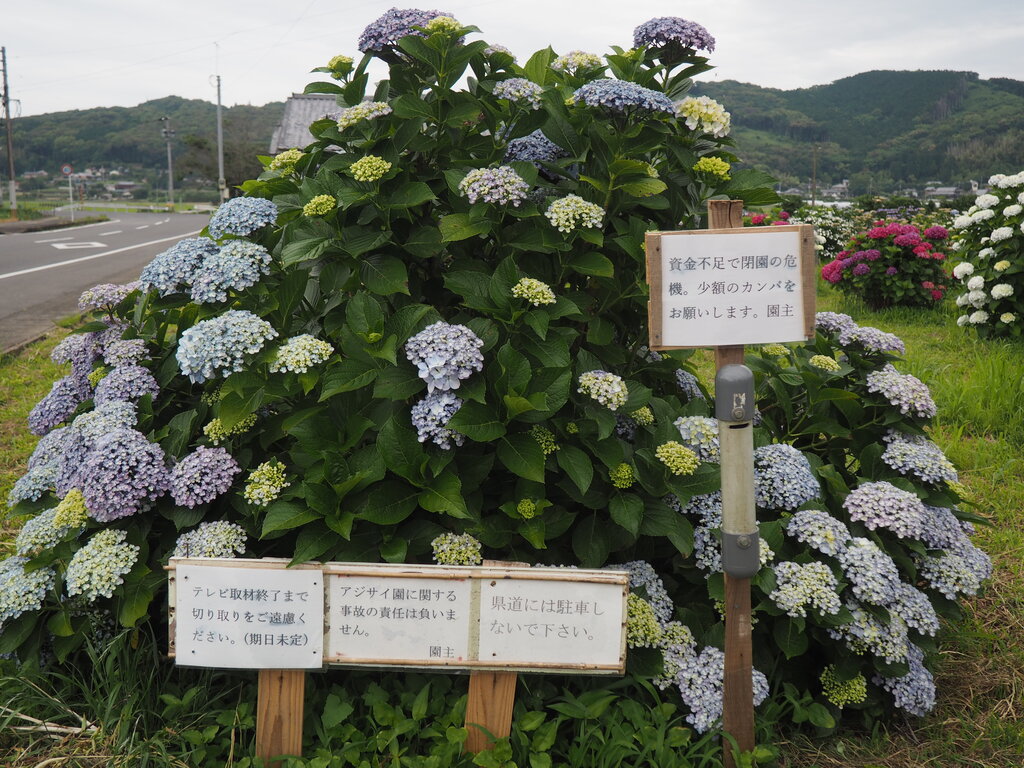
(448, 362)
(989, 242)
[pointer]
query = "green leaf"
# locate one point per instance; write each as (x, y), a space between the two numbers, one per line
(401, 451)
(577, 465)
(136, 596)
(364, 315)
(346, 376)
(384, 275)
(410, 194)
(423, 242)
(538, 68)
(522, 455)
(304, 250)
(534, 531)
(791, 636)
(445, 496)
(591, 541)
(643, 187)
(459, 226)
(284, 515)
(389, 502)
(627, 510)
(478, 422)
(397, 382)
(410, 106)
(591, 263)
(313, 540)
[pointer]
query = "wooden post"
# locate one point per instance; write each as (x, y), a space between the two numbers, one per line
(738, 685)
(279, 709)
(492, 695)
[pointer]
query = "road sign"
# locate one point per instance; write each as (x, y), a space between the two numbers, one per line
(66, 169)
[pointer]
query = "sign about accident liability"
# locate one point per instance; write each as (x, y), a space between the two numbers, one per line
(259, 614)
(722, 287)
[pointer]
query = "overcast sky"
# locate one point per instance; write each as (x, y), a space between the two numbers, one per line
(76, 54)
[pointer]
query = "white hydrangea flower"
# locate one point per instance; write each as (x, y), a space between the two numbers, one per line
(976, 283)
(962, 300)
(1002, 290)
(986, 201)
(963, 320)
(977, 298)
(1007, 317)
(984, 253)
(960, 271)
(962, 222)
(979, 318)
(983, 215)
(1013, 210)
(1003, 233)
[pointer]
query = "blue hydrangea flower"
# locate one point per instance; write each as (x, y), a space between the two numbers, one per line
(707, 551)
(913, 606)
(107, 295)
(699, 434)
(689, 385)
(125, 352)
(700, 681)
(819, 530)
(623, 97)
(98, 568)
(707, 506)
(31, 486)
(903, 391)
(534, 148)
(59, 404)
(82, 435)
(219, 346)
(214, 539)
(172, 270)
(121, 474)
(941, 529)
(500, 186)
(834, 322)
(871, 339)
(202, 476)
(49, 448)
(950, 574)
(673, 31)
(445, 354)
(22, 591)
(604, 387)
(642, 576)
(866, 634)
(79, 349)
(519, 90)
(39, 534)
(883, 505)
(242, 216)
(872, 574)
(126, 383)
(917, 456)
(236, 266)
(431, 415)
(915, 691)
(782, 477)
(392, 26)
(801, 585)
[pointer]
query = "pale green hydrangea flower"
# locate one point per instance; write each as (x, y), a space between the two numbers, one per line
(775, 350)
(97, 375)
(643, 416)
(679, 459)
(218, 433)
(456, 549)
(98, 568)
(573, 212)
(526, 509)
(713, 166)
(22, 591)
(320, 205)
(1001, 266)
(299, 353)
(843, 692)
(706, 114)
(607, 388)
(443, 24)
(369, 168)
(285, 161)
(265, 483)
(642, 628)
(1007, 317)
(39, 534)
(534, 291)
(71, 511)
(824, 362)
(576, 61)
(213, 539)
(545, 438)
(622, 476)
(366, 110)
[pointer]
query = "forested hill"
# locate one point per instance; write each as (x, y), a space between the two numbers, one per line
(908, 126)
(113, 136)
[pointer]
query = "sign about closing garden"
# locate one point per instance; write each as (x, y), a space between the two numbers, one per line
(720, 287)
(259, 614)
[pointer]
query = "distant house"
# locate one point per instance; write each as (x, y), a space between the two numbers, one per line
(940, 192)
(34, 175)
(300, 110)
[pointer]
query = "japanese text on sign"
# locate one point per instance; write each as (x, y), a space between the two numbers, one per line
(724, 287)
(266, 618)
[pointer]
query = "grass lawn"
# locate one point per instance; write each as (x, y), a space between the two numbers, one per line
(979, 389)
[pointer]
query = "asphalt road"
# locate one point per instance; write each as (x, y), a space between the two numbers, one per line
(42, 274)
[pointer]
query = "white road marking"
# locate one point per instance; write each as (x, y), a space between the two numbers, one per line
(80, 244)
(54, 239)
(95, 255)
(111, 232)
(158, 223)
(144, 226)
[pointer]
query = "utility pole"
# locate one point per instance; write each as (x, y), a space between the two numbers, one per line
(814, 176)
(222, 184)
(10, 137)
(168, 135)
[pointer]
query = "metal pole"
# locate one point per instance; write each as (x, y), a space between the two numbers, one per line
(13, 192)
(168, 137)
(814, 176)
(71, 198)
(222, 185)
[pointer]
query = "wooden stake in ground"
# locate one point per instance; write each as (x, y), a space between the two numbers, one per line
(279, 711)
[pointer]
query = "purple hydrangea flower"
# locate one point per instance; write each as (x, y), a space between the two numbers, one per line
(121, 474)
(883, 505)
(501, 186)
(172, 270)
(59, 404)
(700, 681)
(689, 385)
(49, 448)
(106, 295)
(942, 529)
(623, 98)
(903, 391)
(871, 339)
(913, 606)
(126, 383)
(79, 349)
(915, 691)
(834, 322)
(917, 456)
(861, 269)
(445, 354)
(242, 216)
(891, 271)
(673, 31)
(236, 266)
(125, 352)
(818, 529)
(520, 91)
(431, 415)
(873, 575)
(782, 477)
(392, 26)
(643, 576)
(82, 436)
(534, 148)
(202, 476)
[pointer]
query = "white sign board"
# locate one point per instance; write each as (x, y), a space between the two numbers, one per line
(722, 287)
(258, 616)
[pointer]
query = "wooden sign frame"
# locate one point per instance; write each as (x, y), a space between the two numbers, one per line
(655, 278)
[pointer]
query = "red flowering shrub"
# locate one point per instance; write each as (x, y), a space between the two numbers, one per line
(892, 264)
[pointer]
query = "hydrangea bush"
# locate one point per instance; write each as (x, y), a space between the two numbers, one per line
(989, 242)
(449, 362)
(893, 264)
